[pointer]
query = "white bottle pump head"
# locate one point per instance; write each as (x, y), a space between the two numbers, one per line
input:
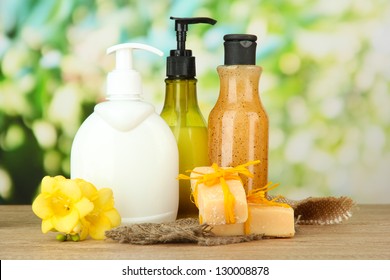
(124, 81)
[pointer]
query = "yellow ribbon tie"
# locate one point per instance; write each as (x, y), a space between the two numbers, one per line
(220, 176)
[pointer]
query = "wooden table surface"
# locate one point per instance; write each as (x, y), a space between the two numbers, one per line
(365, 236)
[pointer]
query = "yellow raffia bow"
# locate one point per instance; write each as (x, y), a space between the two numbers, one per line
(220, 176)
(259, 196)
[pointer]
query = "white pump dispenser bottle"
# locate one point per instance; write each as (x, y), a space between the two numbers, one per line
(126, 146)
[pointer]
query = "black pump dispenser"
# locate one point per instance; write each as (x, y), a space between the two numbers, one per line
(181, 63)
(240, 49)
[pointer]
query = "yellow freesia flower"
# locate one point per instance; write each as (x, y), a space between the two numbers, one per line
(104, 216)
(61, 204)
(75, 208)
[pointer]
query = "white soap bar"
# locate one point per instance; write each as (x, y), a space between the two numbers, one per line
(211, 200)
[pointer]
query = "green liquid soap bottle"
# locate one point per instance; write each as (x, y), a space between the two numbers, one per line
(182, 113)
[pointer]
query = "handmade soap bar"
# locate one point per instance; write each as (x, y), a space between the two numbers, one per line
(211, 199)
(228, 230)
(275, 221)
(272, 221)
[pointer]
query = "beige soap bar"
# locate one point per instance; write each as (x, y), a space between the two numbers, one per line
(228, 230)
(272, 221)
(211, 199)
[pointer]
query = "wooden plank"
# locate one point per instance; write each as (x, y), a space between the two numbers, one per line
(365, 236)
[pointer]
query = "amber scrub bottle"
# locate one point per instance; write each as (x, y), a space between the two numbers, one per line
(238, 123)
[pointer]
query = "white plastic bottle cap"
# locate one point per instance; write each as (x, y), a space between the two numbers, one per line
(124, 81)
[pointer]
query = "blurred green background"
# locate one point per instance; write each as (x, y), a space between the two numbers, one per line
(325, 83)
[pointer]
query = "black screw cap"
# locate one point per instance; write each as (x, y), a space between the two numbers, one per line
(240, 49)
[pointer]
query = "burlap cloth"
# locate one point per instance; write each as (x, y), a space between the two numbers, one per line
(310, 211)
